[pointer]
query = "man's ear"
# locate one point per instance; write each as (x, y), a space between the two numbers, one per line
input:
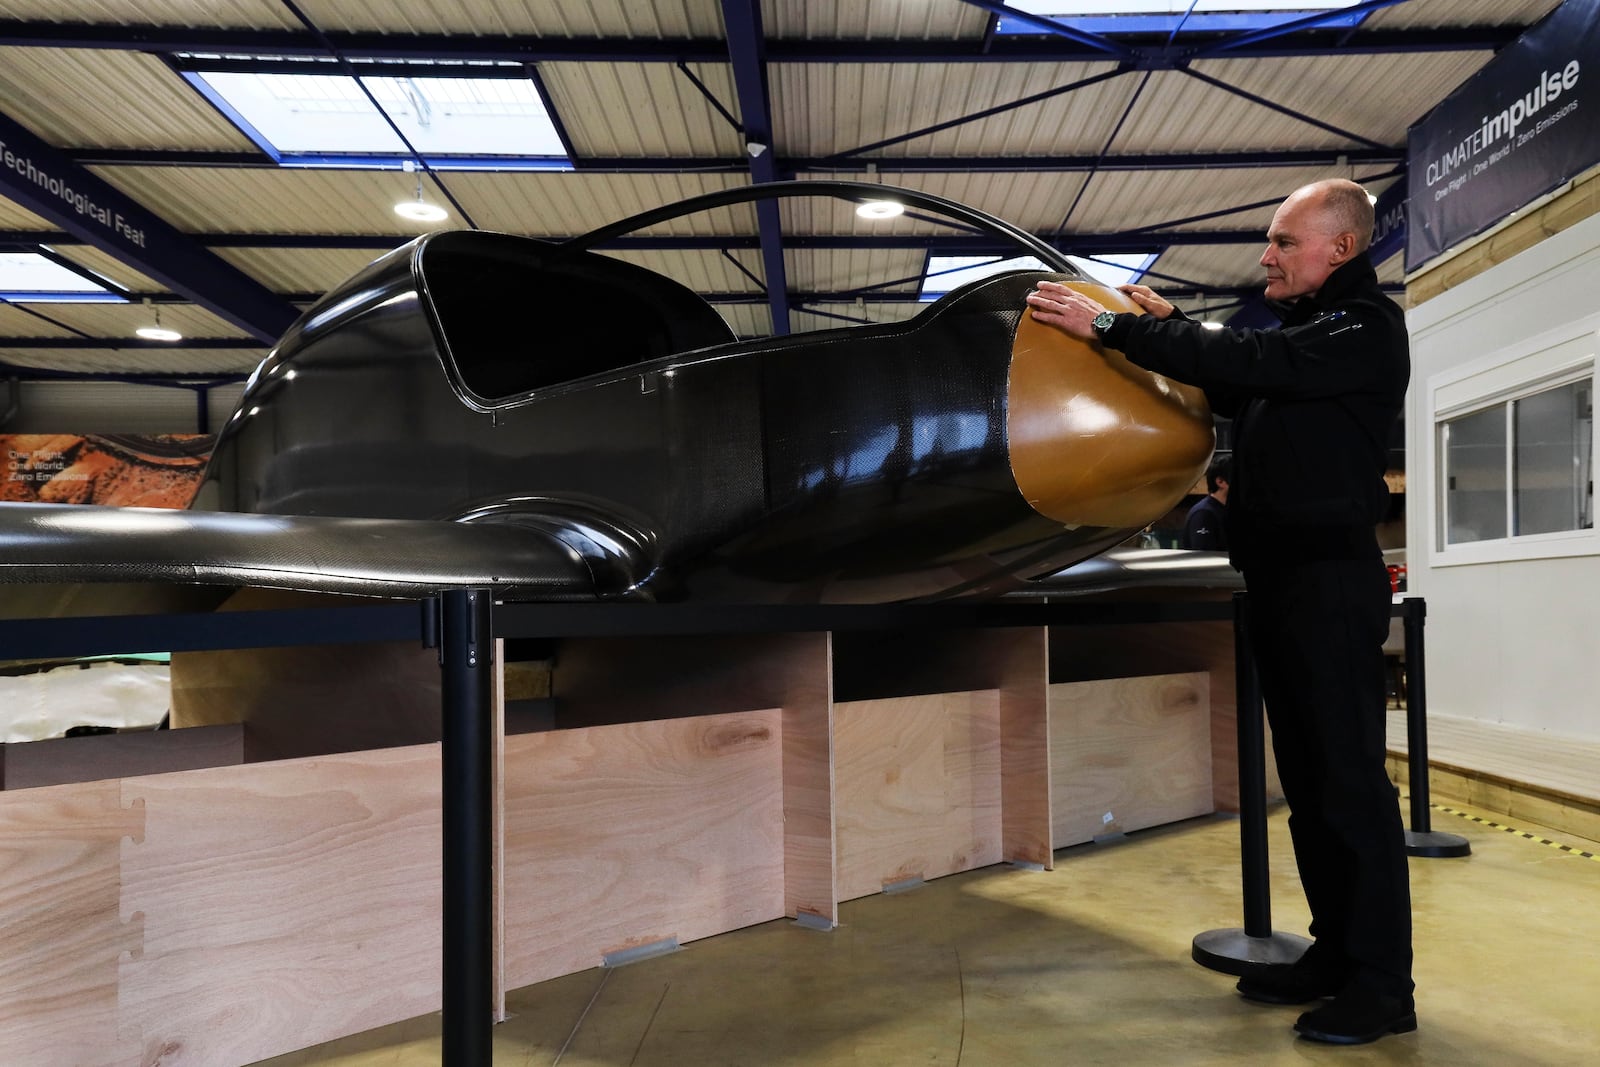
(1344, 248)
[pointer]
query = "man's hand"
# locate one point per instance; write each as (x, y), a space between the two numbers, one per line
(1156, 306)
(1057, 305)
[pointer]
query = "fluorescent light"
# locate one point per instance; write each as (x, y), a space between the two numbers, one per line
(158, 333)
(420, 211)
(880, 209)
(1211, 325)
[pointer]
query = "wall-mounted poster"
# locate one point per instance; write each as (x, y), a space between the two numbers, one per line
(132, 470)
(1515, 130)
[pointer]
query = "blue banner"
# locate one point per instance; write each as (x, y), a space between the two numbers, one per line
(1515, 130)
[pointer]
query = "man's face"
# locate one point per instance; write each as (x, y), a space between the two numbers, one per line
(1301, 250)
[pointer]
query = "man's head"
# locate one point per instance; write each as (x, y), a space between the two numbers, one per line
(1319, 228)
(1218, 474)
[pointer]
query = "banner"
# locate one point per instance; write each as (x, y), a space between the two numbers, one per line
(132, 470)
(1515, 130)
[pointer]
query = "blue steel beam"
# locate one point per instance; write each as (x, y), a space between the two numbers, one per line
(1309, 22)
(985, 113)
(1280, 108)
(747, 50)
(1139, 240)
(247, 49)
(1059, 29)
(47, 183)
(1137, 161)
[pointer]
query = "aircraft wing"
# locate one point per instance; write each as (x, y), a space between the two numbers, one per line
(69, 543)
(1138, 571)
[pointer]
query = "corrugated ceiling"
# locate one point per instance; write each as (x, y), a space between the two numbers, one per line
(96, 102)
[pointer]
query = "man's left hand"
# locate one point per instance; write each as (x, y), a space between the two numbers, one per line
(1058, 305)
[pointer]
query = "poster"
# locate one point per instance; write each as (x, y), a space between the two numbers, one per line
(131, 470)
(1517, 129)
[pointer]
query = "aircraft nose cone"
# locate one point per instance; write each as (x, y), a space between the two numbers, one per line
(1094, 440)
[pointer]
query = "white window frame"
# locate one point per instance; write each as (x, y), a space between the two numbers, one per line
(1547, 361)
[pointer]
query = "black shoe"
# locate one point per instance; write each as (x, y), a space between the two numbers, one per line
(1291, 984)
(1358, 1015)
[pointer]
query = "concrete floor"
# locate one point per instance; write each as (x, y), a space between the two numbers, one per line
(1088, 964)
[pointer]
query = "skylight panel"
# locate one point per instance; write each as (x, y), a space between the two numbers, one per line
(947, 273)
(1165, 16)
(326, 119)
(31, 278)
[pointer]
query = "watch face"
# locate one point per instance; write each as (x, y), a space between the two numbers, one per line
(1102, 322)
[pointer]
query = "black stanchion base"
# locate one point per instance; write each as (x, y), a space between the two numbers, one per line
(1236, 952)
(1436, 845)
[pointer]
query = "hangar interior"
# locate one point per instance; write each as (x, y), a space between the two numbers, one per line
(264, 888)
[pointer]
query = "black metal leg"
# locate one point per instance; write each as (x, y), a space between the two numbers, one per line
(1236, 951)
(467, 659)
(1421, 839)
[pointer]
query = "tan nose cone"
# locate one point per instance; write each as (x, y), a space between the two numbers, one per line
(1093, 439)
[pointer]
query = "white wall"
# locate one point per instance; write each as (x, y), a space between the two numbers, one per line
(1511, 639)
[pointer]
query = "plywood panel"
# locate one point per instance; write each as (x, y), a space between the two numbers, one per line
(917, 788)
(310, 701)
(282, 904)
(1128, 753)
(809, 860)
(1027, 835)
(1080, 653)
(623, 835)
(61, 933)
(102, 756)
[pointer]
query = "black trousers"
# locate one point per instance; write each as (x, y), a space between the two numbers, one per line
(1318, 630)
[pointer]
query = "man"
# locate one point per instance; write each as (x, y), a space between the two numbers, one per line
(1312, 404)
(1202, 526)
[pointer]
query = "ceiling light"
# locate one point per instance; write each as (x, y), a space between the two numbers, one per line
(419, 210)
(880, 209)
(157, 332)
(1211, 325)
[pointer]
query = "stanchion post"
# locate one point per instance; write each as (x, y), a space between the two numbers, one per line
(466, 660)
(1421, 839)
(1243, 951)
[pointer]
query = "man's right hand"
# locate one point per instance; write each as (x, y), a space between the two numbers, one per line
(1155, 305)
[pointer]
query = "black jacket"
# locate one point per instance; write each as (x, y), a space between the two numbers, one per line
(1312, 404)
(1203, 526)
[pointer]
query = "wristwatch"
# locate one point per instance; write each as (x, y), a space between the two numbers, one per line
(1103, 322)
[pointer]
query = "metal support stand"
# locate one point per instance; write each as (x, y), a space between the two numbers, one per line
(1421, 839)
(1236, 951)
(466, 659)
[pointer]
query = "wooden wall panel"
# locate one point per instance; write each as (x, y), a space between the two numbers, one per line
(1129, 753)
(620, 836)
(917, 788)
(810, 862)
(1081, 653)
(101, 756)
(1027, 835)
(61, 934)
(282, 905)
(297, 702)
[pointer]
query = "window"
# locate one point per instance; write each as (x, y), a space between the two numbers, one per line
(1519, 468)
(1167, 16)
(328, 120)
(947, 273)
(32, 278)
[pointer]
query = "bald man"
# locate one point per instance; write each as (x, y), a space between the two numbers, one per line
(1313, 404)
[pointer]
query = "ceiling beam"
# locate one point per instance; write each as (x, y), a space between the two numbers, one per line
(747, 51)
(961, 245)
(300, 45)
(41, 179)
(1317, 157)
